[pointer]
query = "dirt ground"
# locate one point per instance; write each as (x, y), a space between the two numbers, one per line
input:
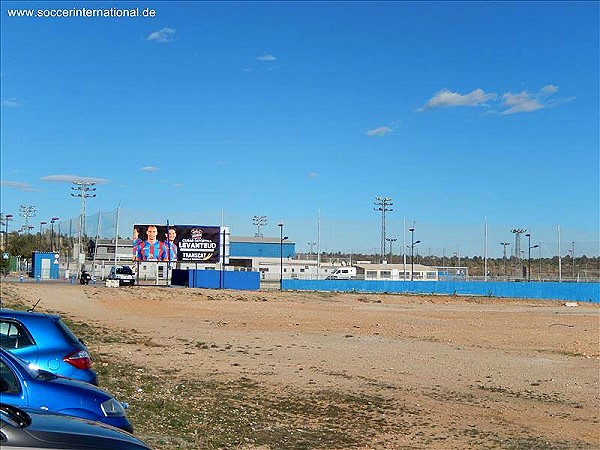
(460, 372)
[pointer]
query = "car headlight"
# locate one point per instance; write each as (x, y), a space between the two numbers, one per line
(112, 408)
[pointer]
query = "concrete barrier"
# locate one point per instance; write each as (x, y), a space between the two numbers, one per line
(112, 283)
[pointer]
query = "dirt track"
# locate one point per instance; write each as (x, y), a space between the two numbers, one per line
(461, 373)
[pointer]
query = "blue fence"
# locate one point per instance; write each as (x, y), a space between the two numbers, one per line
(216, 279)
(584, 292)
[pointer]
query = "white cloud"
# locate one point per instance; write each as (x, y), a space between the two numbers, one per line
(10, 103)
(518, 103)
(448, 99)
(266, 57)
(313, 175)
(550, 89)
(165, 35)
(25, 187)
(510, 103)
(380, 131)
(149, 169)
(71, 178)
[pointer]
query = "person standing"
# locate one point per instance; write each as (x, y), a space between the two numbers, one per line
(169, 247)
(151, 249)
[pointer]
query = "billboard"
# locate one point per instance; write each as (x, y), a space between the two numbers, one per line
(177, 243)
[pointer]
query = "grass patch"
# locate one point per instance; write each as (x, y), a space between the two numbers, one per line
(171, 412)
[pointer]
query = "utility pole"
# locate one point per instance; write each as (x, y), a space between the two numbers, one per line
(383, 204)
(82, 189)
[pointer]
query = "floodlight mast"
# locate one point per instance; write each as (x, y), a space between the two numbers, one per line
(27, 211)
(383, 204)
(83, 189)
(259, 221)
(518, 232)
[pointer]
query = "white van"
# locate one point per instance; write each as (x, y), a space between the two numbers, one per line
(124, 274)
(343, 273)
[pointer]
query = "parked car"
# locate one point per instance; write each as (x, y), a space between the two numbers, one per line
(23, 386)
(26, 428)
(124, 274)
(44, 341)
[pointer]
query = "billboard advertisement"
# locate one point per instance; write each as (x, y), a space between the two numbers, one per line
(177, 243)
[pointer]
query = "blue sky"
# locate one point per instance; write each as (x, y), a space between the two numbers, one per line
(459, 111)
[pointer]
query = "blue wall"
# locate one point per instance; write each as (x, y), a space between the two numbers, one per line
(212, 279)
(584, 292)
(261, 249)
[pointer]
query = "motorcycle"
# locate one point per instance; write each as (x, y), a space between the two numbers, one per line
(85, 277)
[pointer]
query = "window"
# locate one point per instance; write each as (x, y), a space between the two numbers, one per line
(371, 274)
(430, 275)
(8, 381)
(386, 274)
(301, 270)
(14, 335)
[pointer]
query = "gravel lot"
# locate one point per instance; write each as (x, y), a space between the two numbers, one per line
(392, 371)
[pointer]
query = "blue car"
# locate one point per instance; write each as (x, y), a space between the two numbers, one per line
(34, 429)
(44, 341)
(26, 387)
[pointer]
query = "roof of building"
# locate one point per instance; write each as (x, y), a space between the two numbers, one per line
(257, 240)
(416, 267)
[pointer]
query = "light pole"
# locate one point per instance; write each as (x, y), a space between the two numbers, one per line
(41, 235)
(52, 221)
(259, 221)
(383, 204)
(83, 189)
(457, 268)
(391, 241)
(504, 245)
(540, 247)
(573, 257)
(7, 218)
(528, 236)
(281, 239)
(412, 252)
(311, 245)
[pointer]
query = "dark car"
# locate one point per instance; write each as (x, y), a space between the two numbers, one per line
(25, 429)
(22, 386)
(44, 341)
